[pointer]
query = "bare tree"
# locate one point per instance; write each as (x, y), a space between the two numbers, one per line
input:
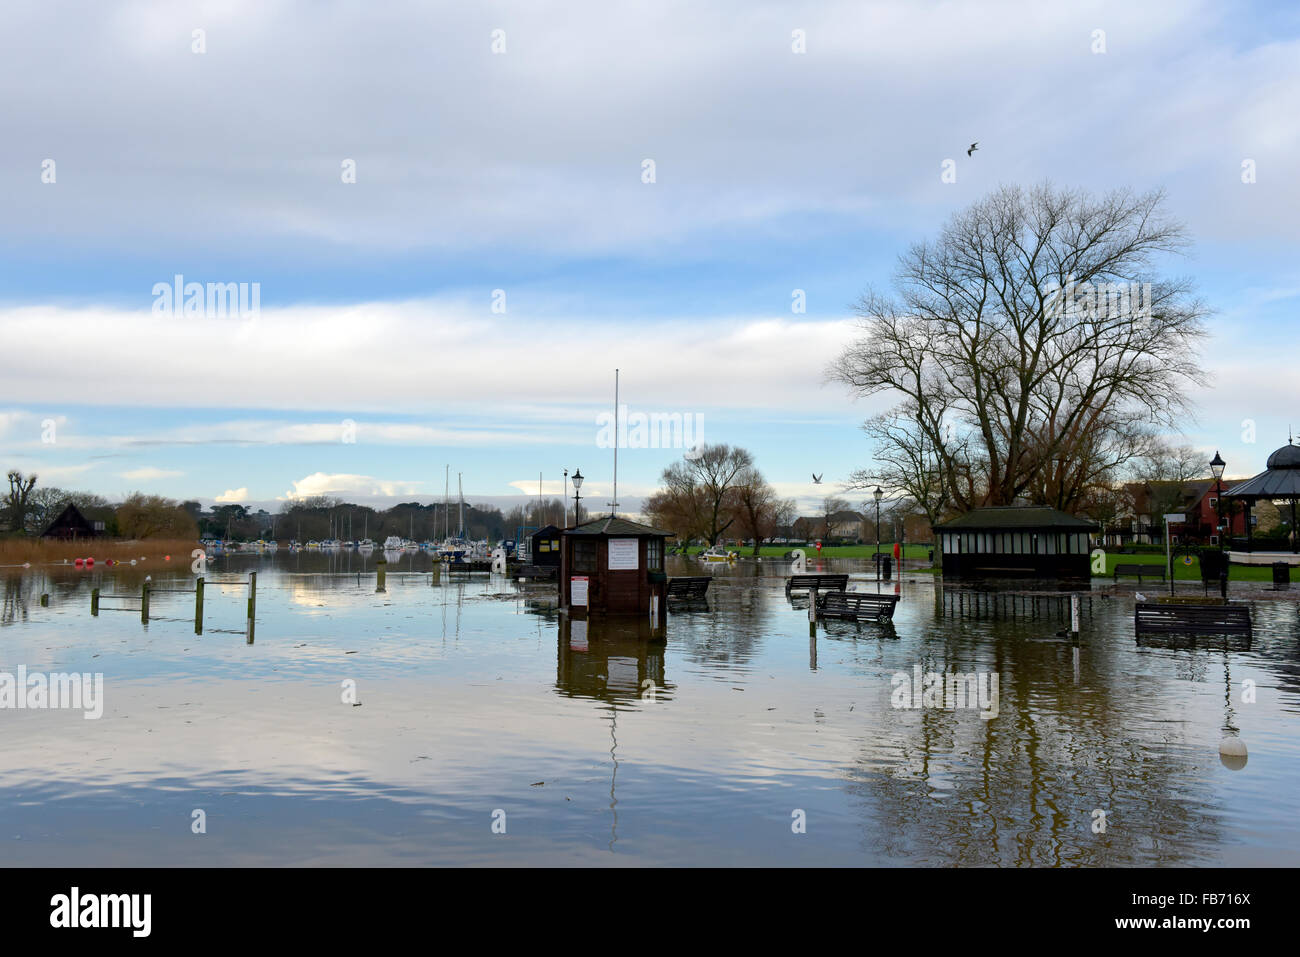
(1017, 342)
(905, 461)
(831, 505)
(16, 501)
(1165, 470)
(706, 484)
(757, 506)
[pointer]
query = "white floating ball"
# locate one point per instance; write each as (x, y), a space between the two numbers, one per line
(1232, 752)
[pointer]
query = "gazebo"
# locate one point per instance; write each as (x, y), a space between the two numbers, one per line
(1279, 482)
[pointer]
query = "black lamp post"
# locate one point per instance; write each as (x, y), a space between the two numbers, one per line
(577, 484)
(566, 495)
(878, 494)
(1216, 469)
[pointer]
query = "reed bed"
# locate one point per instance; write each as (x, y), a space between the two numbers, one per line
(37, 551)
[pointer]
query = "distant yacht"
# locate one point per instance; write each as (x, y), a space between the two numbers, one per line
(366, 545)
(393, 543)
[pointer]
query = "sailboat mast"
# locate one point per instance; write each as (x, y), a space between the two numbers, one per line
(614, 504)
(460, 491)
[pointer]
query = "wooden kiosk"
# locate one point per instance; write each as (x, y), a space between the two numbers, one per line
(610, 567)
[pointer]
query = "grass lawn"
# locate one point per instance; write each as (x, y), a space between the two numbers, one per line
(829, 551)
(1192, 572)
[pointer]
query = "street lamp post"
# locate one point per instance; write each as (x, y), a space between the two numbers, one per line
(1216, 469)
(878, 494)
(564, 501)
(577, 484)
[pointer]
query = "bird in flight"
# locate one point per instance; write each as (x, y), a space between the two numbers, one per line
(973, 147)
(817, 479)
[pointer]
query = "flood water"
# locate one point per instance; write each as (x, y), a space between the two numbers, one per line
(481, 708)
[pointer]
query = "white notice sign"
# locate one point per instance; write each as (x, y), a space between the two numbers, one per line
(623, 554)
(578, 590)
(1175, 518)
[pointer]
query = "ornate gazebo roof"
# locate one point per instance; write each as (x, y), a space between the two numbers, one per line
(1279, 480)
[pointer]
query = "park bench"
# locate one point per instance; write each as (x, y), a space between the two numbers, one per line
(1167, 618)
(1150, 571)
(538, 571)
(689, 589)
(818, 582)
(857, 605)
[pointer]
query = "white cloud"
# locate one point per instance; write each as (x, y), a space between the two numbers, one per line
(233, 496)
(149, 473)
(541, 147)
(364, 486)
(417, 358)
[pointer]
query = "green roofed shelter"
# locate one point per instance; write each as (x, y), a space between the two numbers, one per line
(1014, 541)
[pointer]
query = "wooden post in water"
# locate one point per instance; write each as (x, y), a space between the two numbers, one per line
(45, 600)
(94, 602)
(381, 572)
(812, 612)
(144, 603)
(436, 572)
(198, 606)
(252, 603)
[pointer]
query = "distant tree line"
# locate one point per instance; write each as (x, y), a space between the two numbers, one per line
(28, 508)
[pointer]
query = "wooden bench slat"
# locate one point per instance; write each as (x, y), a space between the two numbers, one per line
(837, 604)
(1191, 619)
(1150, 571)
(820, 582)
(689, 587)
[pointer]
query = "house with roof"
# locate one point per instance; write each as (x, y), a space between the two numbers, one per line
(71, 525)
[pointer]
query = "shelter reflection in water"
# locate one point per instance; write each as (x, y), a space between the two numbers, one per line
(610, 660)
(999, 605)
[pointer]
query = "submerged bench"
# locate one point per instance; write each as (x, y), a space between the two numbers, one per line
(1150, 571)
(1162, 618)
(538, 571)
(857, 605)
(689, 589)
(819, 582)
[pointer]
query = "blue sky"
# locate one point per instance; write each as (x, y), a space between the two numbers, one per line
(521, 171)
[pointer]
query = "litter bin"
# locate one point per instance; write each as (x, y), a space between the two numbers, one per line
(886, 566)
(1281, 575)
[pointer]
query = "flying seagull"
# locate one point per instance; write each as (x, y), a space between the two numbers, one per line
(973, 147)
(817, 479)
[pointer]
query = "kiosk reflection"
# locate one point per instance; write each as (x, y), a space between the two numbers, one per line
(610, 659)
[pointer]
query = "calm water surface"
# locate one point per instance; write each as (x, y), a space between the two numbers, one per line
(477, 697)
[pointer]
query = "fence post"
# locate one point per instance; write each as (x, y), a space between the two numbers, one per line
(144, 603)
(198, 606)
(45, 599)
(381, 572)
(94, 602)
